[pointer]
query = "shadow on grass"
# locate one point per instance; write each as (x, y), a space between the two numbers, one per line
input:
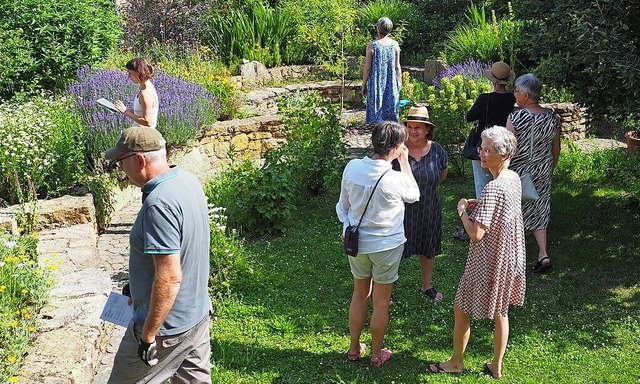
(590, 299)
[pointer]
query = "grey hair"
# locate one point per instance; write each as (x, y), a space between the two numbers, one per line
(504, 141)
(387, 135)
(530, 84)
(153, 156)
(384, 25)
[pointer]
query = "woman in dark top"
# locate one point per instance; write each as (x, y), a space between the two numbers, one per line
(423, 218)
(491, 109)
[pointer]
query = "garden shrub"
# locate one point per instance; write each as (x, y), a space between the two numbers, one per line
(40, 149)
(102, 186)
(48, 40)
(258, 200)
(254, 31)
(593, 48)
(23, 291)
(483, 39)
(184, 107)
(171, 22)
(315, 151)
(448, 107)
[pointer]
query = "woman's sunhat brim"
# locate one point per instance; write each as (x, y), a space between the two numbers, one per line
(419, 119)
(505, 80)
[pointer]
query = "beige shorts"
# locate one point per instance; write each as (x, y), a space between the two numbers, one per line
(382, 266)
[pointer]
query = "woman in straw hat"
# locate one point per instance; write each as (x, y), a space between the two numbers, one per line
(382, 76)
(423, 219)
(491, 109)
(488, 110)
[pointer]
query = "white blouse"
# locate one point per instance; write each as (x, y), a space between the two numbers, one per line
(382, 225)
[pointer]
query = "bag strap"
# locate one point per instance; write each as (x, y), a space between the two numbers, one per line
(370, 196)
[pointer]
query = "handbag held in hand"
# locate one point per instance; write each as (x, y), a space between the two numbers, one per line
(352, 233)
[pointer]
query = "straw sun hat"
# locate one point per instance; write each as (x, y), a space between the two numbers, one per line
(419, 115)
(500, 73)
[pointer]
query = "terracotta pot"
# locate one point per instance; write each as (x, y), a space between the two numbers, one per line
(633, 141)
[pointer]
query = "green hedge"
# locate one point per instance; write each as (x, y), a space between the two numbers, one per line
(43, 42)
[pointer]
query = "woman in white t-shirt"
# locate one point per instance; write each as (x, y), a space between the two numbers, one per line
(145, 102)
(381, 239)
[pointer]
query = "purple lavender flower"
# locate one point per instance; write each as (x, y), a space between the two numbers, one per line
(469, 69)
(184, 106)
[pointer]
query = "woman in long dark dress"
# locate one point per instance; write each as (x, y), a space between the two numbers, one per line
(423, 219)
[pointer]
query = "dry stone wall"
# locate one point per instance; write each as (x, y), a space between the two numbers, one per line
(249, 138)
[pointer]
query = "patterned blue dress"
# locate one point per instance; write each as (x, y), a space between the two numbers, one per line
(383, 91)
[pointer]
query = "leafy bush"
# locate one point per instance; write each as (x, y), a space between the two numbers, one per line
(184, 107)
(23, 291)
(593, 48)
(171, 22)
(43, 42)
(40, 148)
(482, 39)
(257, 200)
(315, 151)
(255, 31)
(102, 187)
(448, 107)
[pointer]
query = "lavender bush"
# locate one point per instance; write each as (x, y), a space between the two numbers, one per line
(184, 107)
(470, 70)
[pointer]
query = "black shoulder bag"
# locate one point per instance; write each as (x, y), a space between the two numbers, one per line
(352, 232)
(470, 149)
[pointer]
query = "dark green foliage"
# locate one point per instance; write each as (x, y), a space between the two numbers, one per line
(593, 48)
(435, 18)
(44, 42)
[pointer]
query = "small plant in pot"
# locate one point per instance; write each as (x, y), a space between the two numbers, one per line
(631, 127)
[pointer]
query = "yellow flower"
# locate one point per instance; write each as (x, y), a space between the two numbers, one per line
(25, 290)
(11, 359)
(14, 379)
(32, 329)
(34, 233)
(13, 323)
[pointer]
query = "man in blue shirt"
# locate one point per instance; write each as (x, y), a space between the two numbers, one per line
(168, 337)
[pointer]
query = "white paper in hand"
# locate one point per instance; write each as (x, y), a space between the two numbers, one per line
(107, 104)
(117, 310)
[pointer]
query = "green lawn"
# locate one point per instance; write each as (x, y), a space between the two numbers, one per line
(579, 324)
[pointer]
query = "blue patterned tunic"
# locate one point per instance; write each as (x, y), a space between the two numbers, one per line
(383, 91)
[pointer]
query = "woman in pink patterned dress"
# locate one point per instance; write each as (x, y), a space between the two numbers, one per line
(494, 276)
